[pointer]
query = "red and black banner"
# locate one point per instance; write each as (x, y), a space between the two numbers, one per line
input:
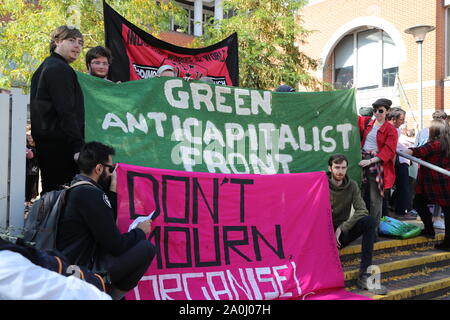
(138, 55)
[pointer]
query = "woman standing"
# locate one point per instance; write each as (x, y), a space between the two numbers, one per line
(379, 143)
(433, 187)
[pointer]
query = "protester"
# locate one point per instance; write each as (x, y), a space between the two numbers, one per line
(285, 88)
(421, 139)
(87, 231)
(379, 143)
(433, 187)
(401, 196)
(98, 60)
(57, 110)
(32, 172)
(166, 71)
(23, 279)
(422, 136)
(344, 193)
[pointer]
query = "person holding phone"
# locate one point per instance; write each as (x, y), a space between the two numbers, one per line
(87, 232)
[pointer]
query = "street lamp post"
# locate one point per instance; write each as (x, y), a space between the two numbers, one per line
(419, 32)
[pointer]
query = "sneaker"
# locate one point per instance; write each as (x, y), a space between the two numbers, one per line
(413, 213)
(362, 283)
(439, 224)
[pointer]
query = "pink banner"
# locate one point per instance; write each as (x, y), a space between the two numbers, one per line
(225, 236)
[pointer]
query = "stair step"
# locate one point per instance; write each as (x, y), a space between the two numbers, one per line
(381, 257)
(426, 284)
(389, 246)
(395, 266)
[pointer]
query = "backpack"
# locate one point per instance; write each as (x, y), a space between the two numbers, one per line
(53, 261)
(41, 225)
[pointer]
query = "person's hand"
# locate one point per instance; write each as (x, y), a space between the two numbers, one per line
(338, 234)
(113, 185)
(76, 156)
(364, 163)
(29, 154)
(145, 226)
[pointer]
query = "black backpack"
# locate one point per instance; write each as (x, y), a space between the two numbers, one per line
(41, 225)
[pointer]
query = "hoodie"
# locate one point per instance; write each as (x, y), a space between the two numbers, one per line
(342, 198)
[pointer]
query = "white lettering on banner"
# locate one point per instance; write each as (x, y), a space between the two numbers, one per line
(255, 148)
(250, 283)
(202, 94)
(159, 117)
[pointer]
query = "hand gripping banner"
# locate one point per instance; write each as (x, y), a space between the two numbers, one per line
(230, 237)
(138, 55)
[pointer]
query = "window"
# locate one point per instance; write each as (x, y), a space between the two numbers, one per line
(365, 59)
(189, 29)
(343, 63)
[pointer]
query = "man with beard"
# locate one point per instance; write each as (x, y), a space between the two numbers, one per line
(345, 193)
(87, 232)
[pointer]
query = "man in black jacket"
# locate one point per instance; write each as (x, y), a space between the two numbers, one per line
(87, 232)
(57, 110)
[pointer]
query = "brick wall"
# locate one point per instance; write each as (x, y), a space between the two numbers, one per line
(328, 17)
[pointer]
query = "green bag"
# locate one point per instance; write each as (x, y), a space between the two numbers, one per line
(393, 227)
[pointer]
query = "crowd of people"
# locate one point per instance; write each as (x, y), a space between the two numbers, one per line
(87, 232)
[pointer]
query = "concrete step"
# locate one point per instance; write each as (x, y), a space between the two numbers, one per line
(387, 246)
(430, 283)
(400, 266)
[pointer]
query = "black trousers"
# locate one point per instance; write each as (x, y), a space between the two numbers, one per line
(420, 204)
(31, 186)
(402, 194)
(126, 270)
(56, 164)
(365, 227)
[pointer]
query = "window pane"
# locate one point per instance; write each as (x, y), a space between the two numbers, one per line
(390, 61)
(369, 59)
(343, 53)
(343, 78)
(390, 55)
(343, 63)
(389, 76)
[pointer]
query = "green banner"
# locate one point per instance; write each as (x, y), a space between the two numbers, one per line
(183, 125)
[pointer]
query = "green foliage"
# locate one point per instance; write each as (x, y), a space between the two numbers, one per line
(269, 32)
(26, 27)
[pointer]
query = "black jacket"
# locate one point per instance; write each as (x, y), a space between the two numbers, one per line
(88, 221)
(57, 105)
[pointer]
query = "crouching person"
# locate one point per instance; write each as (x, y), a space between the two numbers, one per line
(345, 193)
(87, 231)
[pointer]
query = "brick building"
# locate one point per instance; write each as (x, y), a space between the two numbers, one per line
(362, 44)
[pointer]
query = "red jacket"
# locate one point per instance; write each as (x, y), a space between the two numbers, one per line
(387, 138)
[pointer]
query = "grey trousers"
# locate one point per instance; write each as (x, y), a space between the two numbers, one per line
(376, 200)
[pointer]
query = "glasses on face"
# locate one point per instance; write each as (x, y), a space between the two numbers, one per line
(98, 63)
(109, 166)
(380, 110)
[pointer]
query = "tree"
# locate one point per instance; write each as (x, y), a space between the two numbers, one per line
(269, 32)
(26, 27)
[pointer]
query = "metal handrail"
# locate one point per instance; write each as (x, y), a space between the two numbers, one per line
(424, 163)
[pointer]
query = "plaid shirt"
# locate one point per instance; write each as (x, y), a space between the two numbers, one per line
(435, 186)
